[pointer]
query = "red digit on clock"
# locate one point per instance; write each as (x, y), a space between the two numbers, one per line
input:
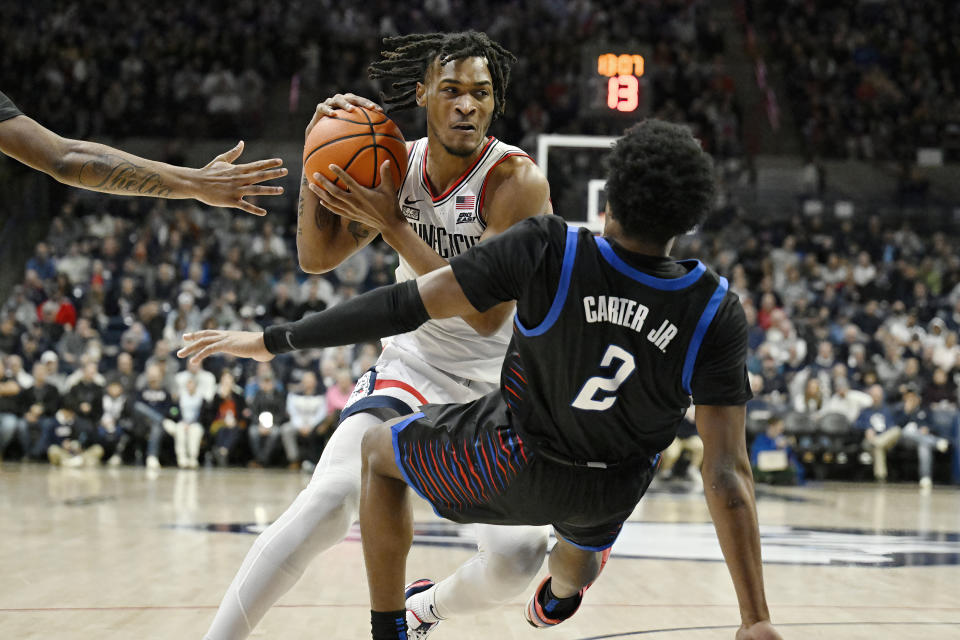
(623, 93)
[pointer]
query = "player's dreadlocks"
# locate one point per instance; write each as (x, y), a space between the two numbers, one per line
(407, 58)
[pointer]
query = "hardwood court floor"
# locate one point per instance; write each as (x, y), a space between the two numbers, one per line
(120, 553)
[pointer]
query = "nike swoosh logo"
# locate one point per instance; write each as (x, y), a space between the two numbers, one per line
(409, 201)
(289, 336)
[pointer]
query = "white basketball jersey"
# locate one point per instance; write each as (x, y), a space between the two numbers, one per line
(451, 223)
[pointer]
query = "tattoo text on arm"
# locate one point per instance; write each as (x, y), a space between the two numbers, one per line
(303, 185)
(112, 173)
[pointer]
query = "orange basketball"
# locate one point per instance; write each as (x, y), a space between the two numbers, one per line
(358, 141)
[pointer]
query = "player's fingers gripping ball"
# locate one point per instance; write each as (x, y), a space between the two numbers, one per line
(358, 141)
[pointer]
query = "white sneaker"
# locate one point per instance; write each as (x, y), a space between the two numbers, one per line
(115, 460)
(153, 462)
(926, 484)
(417, 629)
(73, 461)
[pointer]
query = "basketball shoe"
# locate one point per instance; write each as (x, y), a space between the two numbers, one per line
(543, 613)
(417, 629)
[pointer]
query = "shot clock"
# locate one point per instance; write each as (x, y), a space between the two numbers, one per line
(616, 82)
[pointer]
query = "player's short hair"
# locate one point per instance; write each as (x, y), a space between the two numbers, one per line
(659, 181)
(406, 60)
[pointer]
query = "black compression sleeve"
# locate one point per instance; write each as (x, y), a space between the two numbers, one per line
(385, 311)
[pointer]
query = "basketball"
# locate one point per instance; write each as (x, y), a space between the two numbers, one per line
(359, 142)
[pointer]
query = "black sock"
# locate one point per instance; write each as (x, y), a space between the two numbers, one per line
(556, 607)
(389, 625)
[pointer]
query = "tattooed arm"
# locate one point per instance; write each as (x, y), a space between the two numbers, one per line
(97, 167)
(324, 239)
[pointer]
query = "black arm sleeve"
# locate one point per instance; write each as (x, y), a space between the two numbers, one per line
(7, 108)
(720, 373)
(502, 267)
(385, 311)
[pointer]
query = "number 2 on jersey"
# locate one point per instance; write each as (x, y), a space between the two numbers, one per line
(585, 399)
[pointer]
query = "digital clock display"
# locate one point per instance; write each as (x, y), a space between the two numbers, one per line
(616, 82)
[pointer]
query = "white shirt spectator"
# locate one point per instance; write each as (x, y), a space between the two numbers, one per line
(849, 403)
(206, 384)
(306, 411)
(190, 405)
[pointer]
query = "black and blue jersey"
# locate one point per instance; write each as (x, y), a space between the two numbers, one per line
(609, 346)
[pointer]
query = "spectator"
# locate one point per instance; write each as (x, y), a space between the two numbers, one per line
(941, 391)
(122, 302)
(72, 442)
(205, 381)
(10, 409)
(771, 454)
(187, 313)
(10, 331)
(42, 264)
(914, 424)
(151, 408)
(113, 432)
(124, 374)
(85, 398)
(15, 370)
(283, 308)
(54, 377)
(73, 344)
(338, 394)
(74, 378)
(164, 358)
(41, 403)
(309, 423)
(880, 431)
(188, 432)
(687, 440)
(812, 400)
(846, 401)
(267, 414)
(226, 416)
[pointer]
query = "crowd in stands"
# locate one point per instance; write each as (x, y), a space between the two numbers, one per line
(135, 68)
(88, 341)
(854, 354)
(853, 329)
(870, 80)
(853, 335)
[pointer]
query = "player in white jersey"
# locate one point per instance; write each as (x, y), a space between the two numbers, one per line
(461, 186)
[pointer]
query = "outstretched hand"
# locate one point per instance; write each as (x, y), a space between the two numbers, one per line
(224, 184)
(758, 631)
(243, 344)
(376, 208)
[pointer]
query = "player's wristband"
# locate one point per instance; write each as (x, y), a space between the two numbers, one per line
(385, 311)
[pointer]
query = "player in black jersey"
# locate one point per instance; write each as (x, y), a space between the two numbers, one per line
(611, 340)
(97, 167)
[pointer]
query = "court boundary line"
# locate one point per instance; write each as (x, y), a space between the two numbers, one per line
(779, 625)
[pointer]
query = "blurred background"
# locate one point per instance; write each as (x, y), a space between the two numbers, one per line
(835, 127)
